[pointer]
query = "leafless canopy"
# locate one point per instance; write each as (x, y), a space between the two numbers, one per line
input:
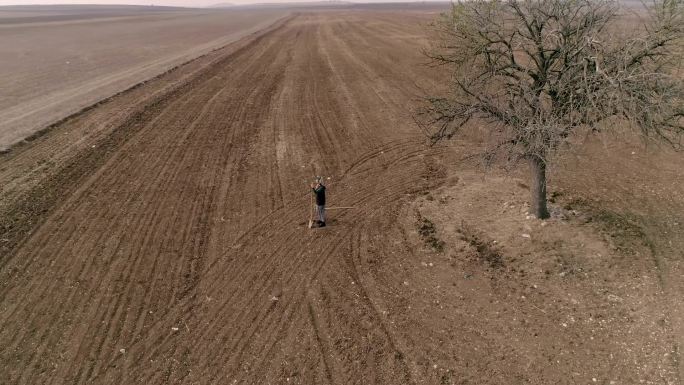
(536, 70)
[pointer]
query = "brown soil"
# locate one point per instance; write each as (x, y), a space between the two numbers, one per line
(161, 237)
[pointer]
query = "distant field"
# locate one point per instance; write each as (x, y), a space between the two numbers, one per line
(44, 13)
(59, 59)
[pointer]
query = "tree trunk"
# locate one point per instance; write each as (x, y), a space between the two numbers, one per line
(538, 189)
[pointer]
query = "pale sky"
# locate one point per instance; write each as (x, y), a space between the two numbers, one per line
(185, 3)
(181, 3)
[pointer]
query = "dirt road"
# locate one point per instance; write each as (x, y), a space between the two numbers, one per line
(184, 257)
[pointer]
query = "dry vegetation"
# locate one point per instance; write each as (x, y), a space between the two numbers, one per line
(542, 72)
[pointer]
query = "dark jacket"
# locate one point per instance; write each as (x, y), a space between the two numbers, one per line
(320, 195)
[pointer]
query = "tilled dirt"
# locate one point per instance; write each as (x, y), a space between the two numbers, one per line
(162, 237)
(181, 255)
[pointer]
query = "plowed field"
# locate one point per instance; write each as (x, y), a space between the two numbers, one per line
(184, 255)
(162, 237)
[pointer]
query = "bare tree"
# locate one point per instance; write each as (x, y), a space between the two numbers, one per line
(538, 71)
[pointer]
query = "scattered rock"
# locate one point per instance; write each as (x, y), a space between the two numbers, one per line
(613, 298)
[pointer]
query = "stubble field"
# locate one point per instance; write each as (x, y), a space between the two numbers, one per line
(60, 59)
(161, 237)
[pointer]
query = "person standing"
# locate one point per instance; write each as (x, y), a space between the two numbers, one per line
(319, 191)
